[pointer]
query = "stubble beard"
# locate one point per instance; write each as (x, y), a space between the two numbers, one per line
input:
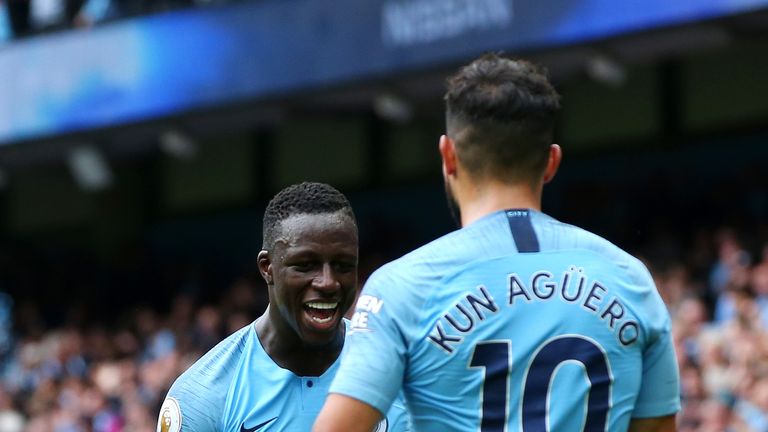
(453, 205)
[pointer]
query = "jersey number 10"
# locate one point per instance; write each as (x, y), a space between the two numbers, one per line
(494, 357)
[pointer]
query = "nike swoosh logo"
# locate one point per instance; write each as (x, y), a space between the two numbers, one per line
(257, 427)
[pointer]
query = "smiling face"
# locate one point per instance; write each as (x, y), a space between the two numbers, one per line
(311, 272)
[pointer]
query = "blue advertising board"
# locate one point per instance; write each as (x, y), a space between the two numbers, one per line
(193, 59)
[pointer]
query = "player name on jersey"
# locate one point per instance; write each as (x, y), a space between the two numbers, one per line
(573, 286)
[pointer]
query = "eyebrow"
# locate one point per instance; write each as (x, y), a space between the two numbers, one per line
(304, 252)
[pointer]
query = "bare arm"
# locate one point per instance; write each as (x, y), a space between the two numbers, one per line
(653, 424)
(345, 414)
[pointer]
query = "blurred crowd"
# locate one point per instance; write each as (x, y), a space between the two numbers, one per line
(720, 328)
(112, 379)
(72, 378)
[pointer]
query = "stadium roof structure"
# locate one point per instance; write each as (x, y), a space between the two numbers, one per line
(239, 63)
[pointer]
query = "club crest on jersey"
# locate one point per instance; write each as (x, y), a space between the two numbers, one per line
(170, 416)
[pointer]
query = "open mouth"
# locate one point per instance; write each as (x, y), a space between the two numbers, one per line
(320, 312)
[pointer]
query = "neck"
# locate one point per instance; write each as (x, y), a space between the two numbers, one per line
(288, 351)
(483, 198)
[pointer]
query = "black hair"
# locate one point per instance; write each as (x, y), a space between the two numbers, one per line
(302, 198)
(500, 113)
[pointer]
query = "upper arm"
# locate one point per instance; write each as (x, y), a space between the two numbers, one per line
(375, 357)
(345, 414)
(398, 419)
(654, 424)
(659, 393)
(660, 383)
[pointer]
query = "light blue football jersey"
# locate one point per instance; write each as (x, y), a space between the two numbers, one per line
(237, 387)
(516, 322)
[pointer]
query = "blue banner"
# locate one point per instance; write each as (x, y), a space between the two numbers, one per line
(171, 63)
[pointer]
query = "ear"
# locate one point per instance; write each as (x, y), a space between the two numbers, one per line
(265, 267)
(448, 155)
(553, 162)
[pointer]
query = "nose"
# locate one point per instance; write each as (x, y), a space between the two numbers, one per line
(327, 280)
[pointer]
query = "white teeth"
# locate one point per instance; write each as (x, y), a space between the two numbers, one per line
(325, 306)
(321, 305)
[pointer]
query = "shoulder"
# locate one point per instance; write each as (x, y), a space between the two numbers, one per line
(559, 235)
(397, 418)
(411, 279)
(199, 394)
(630, 273)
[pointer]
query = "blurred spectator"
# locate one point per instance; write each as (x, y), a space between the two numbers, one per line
(207, 329)
(6, 318)
(11, 420)
(730, 268)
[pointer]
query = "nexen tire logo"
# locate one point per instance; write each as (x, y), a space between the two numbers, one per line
(366, 305)
(411, 22)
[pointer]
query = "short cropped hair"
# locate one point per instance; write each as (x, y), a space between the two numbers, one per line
(500, 113)
(298, 199)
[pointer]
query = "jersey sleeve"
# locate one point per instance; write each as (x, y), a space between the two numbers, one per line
(660, 386)
(189, 407)
(373, 364)
(195, 402)
(398, 419)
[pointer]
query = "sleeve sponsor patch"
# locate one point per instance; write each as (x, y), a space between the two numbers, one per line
(170, 416)
(366, 305)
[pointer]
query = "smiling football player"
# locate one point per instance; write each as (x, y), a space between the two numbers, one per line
(274, 374)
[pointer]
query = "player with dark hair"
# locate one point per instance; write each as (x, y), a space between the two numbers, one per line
(274, 374)
(515, 322)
